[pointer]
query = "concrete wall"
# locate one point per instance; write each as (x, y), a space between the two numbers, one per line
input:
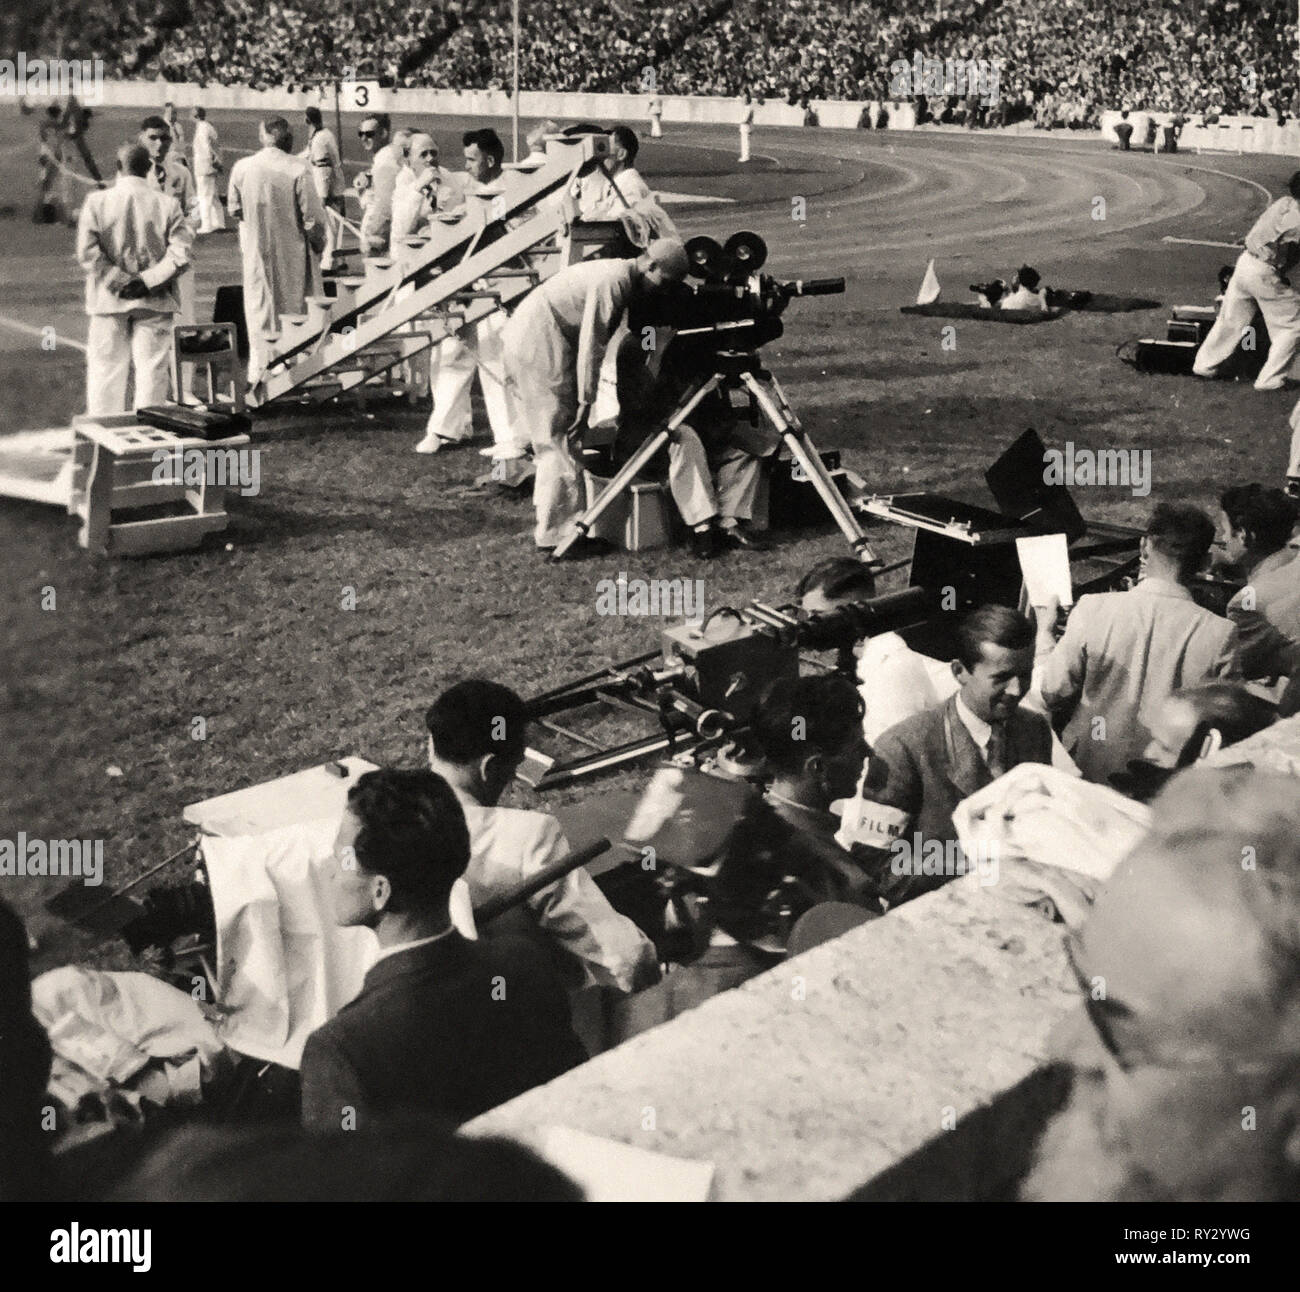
(833, 114)
(840, 1071)
(1230, 134)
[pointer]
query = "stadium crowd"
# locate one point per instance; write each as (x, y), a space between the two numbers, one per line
(1060, 64)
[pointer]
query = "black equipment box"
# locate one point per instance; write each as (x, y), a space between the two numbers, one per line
(1187, 330)
(794, 502)
(201, 423)
(1166, 356)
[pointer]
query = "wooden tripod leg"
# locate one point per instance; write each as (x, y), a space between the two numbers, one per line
(770, 398)
(634, 465)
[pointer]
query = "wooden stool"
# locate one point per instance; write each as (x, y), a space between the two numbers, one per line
(219, 355)
(115, 468)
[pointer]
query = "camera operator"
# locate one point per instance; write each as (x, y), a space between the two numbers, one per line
(554, 345)
(781, 858)
(714, 462)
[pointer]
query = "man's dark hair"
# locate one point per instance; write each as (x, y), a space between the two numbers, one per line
(995, 625)
(474, 718)
(281, 133)
(201, 112)
(626, 138)
(155, 123)
(1230, 707)
(1183, 533)
(381, 119)
(830, 710)
(1293, 185)
(413, 832)
(133, 158)
(487, 140)
(1266, 515)
(839, 578)
(1028, 277)
(313, 115)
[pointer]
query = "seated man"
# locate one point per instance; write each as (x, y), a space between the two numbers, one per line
(442, 1026)
(1253, 529)
(714, 461)
(1025, 294)
(1190, 726)
(477, 737)
(923, 767)
(780, 859)
(1123, 653)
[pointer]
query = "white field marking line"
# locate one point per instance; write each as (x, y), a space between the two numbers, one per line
(1197, 242)
(5, 321)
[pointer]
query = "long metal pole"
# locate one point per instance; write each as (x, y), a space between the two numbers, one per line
(515, 89)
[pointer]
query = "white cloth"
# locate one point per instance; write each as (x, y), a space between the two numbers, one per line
(111, 1032)
(207, 149)
(1037, 832)
(281, 232)
(728, 487)
(1254, 284)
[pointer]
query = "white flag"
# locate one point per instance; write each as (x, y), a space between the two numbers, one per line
(929, 292)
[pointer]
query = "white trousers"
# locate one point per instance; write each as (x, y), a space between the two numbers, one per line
(212, 215)
(698, 493)
(477, 349)
(1293, 465)
(120, 346)
(1254, 284)
(744, 142)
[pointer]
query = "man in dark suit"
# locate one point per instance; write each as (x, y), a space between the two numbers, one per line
(443, 1025)
(925, 765)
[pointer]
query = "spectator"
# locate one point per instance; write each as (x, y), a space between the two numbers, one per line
(442, 1026)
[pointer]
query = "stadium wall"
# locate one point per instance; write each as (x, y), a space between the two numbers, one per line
(1229, 134)
(832, 113)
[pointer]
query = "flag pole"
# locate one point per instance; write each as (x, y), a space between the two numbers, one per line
(515, 88)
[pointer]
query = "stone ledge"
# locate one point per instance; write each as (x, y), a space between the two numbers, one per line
(940, 1008)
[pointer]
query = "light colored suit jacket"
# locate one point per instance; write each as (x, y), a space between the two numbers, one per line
(1121, 656)
(1267, 614)
(130, 231)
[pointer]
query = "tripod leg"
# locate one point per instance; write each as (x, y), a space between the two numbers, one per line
(633, 466)
(770, 398)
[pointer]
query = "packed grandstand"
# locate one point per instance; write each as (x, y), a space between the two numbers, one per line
(1061, 61)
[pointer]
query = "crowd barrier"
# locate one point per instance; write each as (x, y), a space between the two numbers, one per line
(698, 109)
(1228, 134)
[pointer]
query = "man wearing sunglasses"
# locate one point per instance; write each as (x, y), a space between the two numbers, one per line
(376, 185)
(1185, 1051)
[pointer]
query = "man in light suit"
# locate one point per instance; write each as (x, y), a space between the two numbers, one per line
(133, 244)
(207, 166)
(443, 1026)
(322, 155)
(1123, 653)
(927, 764)
(477, 734)
(281, 234)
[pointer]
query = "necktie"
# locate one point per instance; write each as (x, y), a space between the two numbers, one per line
(996, 756)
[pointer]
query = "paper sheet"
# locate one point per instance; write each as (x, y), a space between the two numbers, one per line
(1045, 563)
(608, 1171)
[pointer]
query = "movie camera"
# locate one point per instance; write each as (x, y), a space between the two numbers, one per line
(704, 682)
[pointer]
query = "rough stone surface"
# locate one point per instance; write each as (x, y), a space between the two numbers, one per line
(815, 1078)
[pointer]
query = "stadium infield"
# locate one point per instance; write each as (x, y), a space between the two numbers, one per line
(250, 634)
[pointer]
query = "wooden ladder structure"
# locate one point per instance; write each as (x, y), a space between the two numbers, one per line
(403, 306)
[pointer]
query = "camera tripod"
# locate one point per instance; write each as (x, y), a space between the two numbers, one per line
(736, 370)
